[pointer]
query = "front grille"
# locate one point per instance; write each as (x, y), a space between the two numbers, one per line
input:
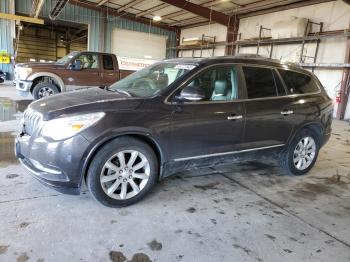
(31, 121)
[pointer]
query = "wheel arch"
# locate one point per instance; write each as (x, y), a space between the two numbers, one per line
(144, 137)
(34, 77)
(314, 126)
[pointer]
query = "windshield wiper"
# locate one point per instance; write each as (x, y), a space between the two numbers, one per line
(123, 92)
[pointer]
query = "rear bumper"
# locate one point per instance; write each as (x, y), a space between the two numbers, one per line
(326, 138)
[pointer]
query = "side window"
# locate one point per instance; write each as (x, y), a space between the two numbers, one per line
(298, 83)
(88, 61)
(260, 82)
(218, 83)
(107, 61)
(280, 88)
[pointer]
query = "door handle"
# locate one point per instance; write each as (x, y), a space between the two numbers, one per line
(234, 117)
(287, 112)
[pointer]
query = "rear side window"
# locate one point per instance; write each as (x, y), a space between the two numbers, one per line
(298, 83)
(107, 62)
(260, 82)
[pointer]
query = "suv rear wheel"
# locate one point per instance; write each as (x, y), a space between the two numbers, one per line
(122, 172)
(44, 89)
(301, 154)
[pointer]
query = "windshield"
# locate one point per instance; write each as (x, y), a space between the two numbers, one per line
(151, 80)
(67, 58)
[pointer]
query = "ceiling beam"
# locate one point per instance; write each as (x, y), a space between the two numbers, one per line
(207, 4)
(21, 18)
(151, 10)
(102, 2)
(131, 4)
(199, 10)
(123, 15)
(269, 10)
(37, 6)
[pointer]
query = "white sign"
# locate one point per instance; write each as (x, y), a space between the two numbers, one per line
(134, 64)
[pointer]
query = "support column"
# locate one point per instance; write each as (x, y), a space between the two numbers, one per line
(232, 33)
(345, 85)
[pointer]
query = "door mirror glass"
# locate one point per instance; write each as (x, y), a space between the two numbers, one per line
(192, 93)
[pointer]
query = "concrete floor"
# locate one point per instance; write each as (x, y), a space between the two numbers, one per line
(229, 213)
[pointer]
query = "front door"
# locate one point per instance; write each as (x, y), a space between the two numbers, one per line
(88, 75)
(214, 125)
(267, 108)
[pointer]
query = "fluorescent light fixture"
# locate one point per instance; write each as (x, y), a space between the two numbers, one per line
(147, 56)
(32, 60)
(157, 18)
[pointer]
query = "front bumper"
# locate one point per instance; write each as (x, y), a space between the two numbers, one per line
(23, 86)
(57, 164)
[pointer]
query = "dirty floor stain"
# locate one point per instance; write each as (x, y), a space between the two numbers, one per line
(154, 245)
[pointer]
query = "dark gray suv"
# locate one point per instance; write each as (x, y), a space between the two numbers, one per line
(175, 115)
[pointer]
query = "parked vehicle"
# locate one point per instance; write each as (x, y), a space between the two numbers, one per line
(75, 70)
(175, 115)
(2, 77)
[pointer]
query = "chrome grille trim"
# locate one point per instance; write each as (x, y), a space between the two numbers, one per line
(31, 121)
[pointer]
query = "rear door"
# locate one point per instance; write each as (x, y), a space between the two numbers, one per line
(214, 125)
(267, 108)
(109, 70)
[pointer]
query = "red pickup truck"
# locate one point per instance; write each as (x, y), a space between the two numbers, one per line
(75, 70)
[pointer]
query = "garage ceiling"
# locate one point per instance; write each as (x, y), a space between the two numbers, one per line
(175, 16)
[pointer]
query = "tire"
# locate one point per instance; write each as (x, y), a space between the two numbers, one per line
(289, 157)
(111, 193)
(44, 89)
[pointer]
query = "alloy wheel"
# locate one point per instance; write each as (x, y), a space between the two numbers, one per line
(304, 153)
(125, 174)
(45, 91)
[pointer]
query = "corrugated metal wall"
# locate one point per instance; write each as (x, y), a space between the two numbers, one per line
(82, 15)
(5, 34)
(71, 13)
(95, 20)
(116, 22)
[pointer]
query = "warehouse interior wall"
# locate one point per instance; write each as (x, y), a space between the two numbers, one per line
(98, 26)
(335, 16)
(117, 22)
(213, 30)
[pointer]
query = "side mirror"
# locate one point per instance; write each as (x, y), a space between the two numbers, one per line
(192, 93)
(77, 65)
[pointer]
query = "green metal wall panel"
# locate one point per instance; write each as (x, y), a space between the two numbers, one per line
(70, 13)
(5, 35)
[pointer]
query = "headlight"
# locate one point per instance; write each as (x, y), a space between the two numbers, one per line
(23, 73)
(65, 127)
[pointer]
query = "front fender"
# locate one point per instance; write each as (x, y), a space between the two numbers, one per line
(58, 79)
(142, 133)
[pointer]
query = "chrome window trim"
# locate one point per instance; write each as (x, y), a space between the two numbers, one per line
(226, 153)
(244, 99)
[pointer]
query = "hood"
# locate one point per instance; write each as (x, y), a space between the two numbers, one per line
(39, 65)
(83, 101)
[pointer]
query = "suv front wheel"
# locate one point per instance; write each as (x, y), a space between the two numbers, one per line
(122, 172)
(301, 154)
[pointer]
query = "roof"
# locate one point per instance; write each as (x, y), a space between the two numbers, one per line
(173, 15)
(240, 58)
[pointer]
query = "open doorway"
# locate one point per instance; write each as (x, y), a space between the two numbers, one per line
(49, 42)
